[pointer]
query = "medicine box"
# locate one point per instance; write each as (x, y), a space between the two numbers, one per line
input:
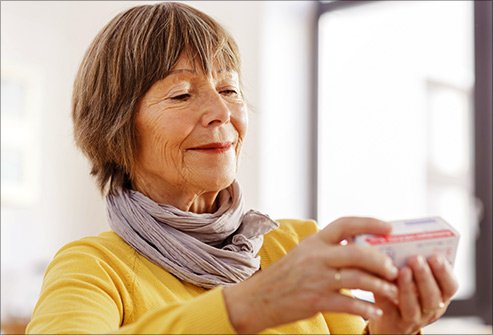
(425, 236)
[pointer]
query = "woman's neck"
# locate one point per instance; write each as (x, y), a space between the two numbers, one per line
(185, 199)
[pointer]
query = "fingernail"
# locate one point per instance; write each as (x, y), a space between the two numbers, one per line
(393, 294)
(376, 312)
(420, 260)
(439, 260)
(391, 267)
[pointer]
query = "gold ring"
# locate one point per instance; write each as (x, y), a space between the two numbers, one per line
(337, 276)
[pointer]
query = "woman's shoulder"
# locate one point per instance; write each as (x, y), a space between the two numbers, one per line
(287, 236)
(104, 243)
(105, 248)
(295, 229)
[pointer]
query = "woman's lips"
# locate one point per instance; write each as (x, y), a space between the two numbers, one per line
(213, 148)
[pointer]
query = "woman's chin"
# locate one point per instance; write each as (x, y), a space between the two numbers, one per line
(215, 182)
(213, 175)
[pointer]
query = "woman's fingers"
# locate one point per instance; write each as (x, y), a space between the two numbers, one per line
(347, 227)
(357, 279)
(442, 270)
(364, 258)
(430, 295)
(408, 297)
(344, 304)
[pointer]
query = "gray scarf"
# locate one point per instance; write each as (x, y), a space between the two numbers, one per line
(206, 250)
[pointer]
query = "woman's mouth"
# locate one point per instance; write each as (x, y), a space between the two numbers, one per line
(213, 148)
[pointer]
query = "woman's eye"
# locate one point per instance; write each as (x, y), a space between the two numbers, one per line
(229, 93)
(181, 97)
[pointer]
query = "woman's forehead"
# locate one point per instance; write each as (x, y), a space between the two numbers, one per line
(186, 65)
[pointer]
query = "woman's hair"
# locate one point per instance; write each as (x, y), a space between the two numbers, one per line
(134, 50)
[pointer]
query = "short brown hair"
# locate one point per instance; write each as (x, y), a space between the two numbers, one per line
(134, 50)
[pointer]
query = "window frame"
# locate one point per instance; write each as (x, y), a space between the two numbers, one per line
(480, 304)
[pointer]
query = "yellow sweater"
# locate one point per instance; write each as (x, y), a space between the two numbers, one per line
(102, 285)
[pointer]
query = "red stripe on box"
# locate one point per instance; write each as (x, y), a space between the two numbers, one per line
(409, 237)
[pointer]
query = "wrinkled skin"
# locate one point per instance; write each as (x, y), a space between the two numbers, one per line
(178, 114)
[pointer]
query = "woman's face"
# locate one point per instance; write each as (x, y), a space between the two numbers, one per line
(190, 129)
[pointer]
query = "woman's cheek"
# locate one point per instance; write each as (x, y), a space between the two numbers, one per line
(240, 121)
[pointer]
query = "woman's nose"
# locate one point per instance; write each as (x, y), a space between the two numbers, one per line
(215, 111)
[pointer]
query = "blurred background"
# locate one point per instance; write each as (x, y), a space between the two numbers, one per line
(375, 108)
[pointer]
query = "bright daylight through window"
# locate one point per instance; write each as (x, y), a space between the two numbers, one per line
(395, 117)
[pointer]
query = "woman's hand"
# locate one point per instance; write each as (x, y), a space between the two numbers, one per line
(309, 278)
(425, 291)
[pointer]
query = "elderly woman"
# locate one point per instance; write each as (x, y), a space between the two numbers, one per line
(159, 111)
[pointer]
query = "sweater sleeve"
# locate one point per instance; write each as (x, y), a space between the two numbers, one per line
(342, 323)
(82, 293)
(205, 314)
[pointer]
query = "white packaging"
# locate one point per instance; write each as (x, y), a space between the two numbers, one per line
(424, 236)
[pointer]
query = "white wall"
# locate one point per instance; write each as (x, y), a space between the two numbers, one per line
(48, 39)
(284, 108)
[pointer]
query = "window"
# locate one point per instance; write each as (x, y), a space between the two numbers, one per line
(396, 121)
(20, 151)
